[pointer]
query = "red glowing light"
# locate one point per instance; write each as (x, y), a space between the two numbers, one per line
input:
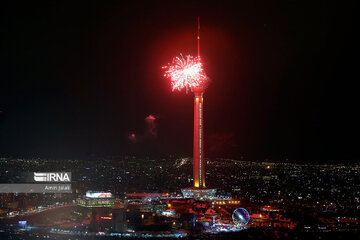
(186, 73)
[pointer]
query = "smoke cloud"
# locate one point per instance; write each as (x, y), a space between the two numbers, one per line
(132, 138)
(150, 132)
(151, 125)
(221, 144)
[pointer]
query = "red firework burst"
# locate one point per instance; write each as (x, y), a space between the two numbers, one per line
(186, 73)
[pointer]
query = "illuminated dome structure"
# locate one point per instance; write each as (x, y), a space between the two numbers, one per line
(241, 217)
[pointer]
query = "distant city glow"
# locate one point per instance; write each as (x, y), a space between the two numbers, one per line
(186, 72)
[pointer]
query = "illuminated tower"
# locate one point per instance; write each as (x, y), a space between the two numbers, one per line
(198, 151)
(199, 189)
(187, 72)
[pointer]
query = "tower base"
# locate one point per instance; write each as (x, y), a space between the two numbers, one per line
(199, 193)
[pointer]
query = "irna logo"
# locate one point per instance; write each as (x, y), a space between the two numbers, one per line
(52, 176)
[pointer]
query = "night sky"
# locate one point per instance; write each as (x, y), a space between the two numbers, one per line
(78, 78)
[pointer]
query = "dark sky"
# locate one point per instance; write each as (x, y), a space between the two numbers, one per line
(79, 77)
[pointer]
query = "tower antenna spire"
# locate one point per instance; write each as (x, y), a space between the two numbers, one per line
(198, 37)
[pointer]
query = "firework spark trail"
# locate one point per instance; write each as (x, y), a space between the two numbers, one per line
(186, 73)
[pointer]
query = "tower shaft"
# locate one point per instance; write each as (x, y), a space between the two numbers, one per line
(198, 158)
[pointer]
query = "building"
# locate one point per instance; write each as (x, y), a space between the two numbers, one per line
(94, 199)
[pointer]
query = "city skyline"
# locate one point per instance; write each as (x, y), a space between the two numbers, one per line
(103, 136)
